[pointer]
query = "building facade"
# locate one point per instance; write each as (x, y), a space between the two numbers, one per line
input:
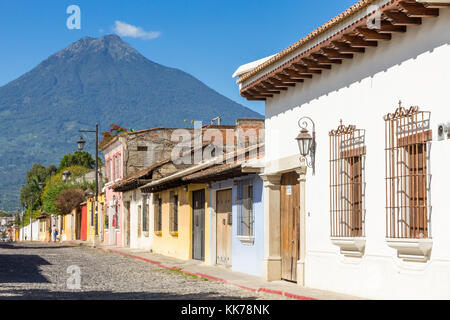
(372, 216)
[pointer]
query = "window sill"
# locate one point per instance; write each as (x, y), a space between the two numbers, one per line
(158, 233)
(248, 241)
(174, 233)
(411, 249)
(350, 246)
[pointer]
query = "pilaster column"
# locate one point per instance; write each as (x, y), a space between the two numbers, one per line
(301, 171)
(272, 227)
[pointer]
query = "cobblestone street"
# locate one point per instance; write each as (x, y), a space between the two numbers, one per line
(39, 271)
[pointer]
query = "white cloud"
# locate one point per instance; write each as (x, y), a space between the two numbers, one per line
(127, 30)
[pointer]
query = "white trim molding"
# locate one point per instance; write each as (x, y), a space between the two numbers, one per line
(411, 249)
(350, 246)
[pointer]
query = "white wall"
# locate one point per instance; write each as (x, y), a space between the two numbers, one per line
(143, 242)
(415, 68)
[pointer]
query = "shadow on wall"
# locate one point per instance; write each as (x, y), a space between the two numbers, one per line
(418, 40)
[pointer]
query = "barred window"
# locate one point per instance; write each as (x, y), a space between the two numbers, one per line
(145, 214)
(408, 142)
(245, 209)
(158, 215)
(173, 212)
(347, 181)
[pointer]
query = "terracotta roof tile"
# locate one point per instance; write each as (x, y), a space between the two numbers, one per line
(347, 13)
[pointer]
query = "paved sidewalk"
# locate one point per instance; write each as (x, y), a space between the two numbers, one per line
(222, 274)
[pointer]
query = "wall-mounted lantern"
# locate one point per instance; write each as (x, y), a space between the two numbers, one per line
(306, 142)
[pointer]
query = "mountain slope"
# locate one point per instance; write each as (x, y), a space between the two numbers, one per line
(100, 80)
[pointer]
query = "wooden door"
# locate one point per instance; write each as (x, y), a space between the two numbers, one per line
(290, 225)
(198, 225)
(224, 227)
(78, 224)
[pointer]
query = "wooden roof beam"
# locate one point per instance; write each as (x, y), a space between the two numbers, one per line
(417, 10)
(437, 5)
(289, 79)
(399, 18)
(276, 82)
(250, 97)
(269, 85)
(387, 27)
(344, 47)
(372, 34)
(304, 69)
(311, 64)
(334, 53)
(296, 75)
(324, 59)
(358, 41)
(257, 94)
(262, 88)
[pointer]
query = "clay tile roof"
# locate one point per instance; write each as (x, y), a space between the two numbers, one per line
(212, 171)
(132, 180)
(344, 15)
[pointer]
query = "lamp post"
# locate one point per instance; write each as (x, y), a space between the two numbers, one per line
(306, 146)
(52, 170)
(81, 144)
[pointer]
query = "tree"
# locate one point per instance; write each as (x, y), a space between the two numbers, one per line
(78, 158)
(69, 199)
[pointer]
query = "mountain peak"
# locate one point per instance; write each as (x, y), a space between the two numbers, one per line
(110, 44)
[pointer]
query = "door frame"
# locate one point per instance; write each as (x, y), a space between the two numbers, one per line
(214, 223)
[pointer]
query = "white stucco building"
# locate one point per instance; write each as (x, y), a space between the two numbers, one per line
(373, 220)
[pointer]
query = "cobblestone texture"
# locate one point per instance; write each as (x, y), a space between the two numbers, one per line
(39, 271)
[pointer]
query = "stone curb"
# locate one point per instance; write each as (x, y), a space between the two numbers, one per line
(198, 274)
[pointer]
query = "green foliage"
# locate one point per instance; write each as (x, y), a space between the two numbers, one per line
(78, 158)
(58, 185)
(113, 132)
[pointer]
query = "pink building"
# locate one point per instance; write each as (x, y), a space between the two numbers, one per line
(113, 221)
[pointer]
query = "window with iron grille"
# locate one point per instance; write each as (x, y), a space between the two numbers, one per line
(173, 212)
(245, 208)
(347, 181)
(158, 215)
(408, 143)
(144, 214)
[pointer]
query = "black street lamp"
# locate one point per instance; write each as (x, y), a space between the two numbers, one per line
(81, 144)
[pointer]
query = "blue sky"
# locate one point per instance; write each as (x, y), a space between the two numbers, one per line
(208, 39)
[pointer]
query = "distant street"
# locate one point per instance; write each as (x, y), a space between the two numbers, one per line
(39, 271)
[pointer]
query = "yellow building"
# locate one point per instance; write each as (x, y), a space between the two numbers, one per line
(44, 224)
(174, 231)
(67, 229)
(90, 203)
